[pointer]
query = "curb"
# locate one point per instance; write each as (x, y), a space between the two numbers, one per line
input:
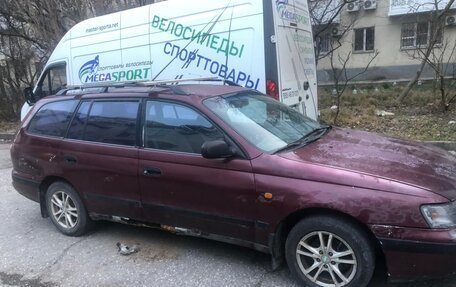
(446, 145)
(6, 137)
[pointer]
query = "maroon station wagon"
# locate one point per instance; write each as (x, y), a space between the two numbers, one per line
(230, 164)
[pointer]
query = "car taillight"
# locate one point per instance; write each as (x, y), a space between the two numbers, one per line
(271, 89)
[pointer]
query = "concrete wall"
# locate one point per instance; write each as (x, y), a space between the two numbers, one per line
(392, 63)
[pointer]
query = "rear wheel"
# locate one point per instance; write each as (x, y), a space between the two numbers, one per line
(66, 209)
(324, 251)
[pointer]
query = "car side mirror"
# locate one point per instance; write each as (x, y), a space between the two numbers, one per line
(29, 95)
(216, 149)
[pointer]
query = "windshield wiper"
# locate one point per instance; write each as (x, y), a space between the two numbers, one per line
(317, 132)
(308, 138)
(289, 146)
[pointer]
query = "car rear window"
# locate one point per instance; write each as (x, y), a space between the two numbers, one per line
(52, 119)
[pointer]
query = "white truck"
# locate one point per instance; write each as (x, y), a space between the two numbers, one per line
(265, 45)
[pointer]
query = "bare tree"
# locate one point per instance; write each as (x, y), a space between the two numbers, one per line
(436, 20)
(325, 17)
(441, 60)
(326, 20)
(16, 71)
(342, 78)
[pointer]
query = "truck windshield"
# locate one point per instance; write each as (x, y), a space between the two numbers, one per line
(267, 124)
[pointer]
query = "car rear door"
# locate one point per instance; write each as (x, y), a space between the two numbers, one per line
(181, 188)
(101, 156)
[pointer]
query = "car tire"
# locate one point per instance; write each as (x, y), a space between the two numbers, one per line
(332, 247)
(66, 210)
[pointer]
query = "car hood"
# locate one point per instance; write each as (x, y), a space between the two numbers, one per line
(393, 159)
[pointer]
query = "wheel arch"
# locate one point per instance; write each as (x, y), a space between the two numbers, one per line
(45, 183)
(285, 226)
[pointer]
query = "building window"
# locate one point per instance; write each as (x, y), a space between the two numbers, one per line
(418, 35)
(324, 44)
(364, 39)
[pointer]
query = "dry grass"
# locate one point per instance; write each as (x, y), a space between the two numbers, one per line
(8, 127)
(419, 117)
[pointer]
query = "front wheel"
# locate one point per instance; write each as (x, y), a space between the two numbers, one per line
(66, 209)
(324, 251)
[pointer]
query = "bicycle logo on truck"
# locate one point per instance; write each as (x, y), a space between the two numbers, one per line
(290, 14)
(89, 69)
(281, 6)
(92, 72)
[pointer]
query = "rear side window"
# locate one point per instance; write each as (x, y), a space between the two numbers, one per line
(113, 122)
(52, 119)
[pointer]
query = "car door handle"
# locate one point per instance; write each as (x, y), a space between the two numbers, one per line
(152, 171)
(70, 159)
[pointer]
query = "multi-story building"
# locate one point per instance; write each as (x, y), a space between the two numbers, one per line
(399, 30)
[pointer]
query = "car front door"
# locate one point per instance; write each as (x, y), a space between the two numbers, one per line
(181, 188)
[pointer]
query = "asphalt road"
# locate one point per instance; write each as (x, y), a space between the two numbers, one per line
(34, 254)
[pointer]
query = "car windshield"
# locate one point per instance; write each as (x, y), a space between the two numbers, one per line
(266, 123)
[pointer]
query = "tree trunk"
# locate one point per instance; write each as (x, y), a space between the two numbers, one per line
(412, 82)
(443, 93)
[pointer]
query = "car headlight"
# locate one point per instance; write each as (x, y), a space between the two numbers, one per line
(440, 215)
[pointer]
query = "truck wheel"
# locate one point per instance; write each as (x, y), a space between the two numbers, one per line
(323, 251)
(66, 209)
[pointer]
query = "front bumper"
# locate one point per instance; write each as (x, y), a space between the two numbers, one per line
(27, 187)
(412, 253)
(411, 260)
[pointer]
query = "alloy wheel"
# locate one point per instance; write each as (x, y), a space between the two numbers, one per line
(64, 210)
(326, 259)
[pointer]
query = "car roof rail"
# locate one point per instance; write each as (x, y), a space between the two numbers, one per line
(97, 87)
(168, 84)
(177, 81)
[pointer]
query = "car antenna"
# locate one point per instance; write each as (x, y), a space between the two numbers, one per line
(229, 40)
(207, 34)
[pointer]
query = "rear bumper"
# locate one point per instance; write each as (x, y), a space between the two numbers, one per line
(27, 187)
(413, 254)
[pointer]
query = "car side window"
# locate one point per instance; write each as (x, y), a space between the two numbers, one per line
(54, 81)
(52, 119)
(76, 130)
(113, 122)
(175, 127)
